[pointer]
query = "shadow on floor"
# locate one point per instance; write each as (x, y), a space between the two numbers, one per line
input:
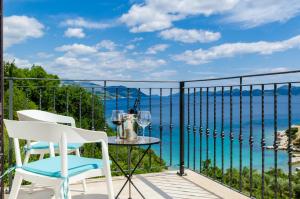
(172, 186)
(90, 196)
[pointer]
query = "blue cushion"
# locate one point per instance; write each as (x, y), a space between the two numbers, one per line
(45, 145)
(52, 166)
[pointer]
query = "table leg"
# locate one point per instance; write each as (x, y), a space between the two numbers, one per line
(130, 173)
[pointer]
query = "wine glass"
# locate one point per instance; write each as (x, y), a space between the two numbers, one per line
(144, 119)
(116, 118)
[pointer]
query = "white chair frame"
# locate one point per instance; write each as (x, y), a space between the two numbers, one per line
(43, 116)
(62, 134)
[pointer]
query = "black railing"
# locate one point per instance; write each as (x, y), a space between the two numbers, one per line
(215, 127)
(237, 99)
(2, 158)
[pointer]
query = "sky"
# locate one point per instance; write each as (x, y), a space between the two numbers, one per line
(153, 39)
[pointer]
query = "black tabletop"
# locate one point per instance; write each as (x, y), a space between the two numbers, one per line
(138, 142)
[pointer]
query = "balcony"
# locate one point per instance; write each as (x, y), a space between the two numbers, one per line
(157, 185)
(225, 134)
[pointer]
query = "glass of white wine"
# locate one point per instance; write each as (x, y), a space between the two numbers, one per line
(143, 120)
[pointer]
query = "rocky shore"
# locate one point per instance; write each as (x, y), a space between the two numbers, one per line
(282, 142)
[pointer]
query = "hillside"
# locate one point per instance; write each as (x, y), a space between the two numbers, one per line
(110, 90)
(283, 90)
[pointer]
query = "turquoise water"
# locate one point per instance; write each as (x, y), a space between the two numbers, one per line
(257, 129)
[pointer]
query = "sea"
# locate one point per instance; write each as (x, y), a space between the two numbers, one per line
(170, 150)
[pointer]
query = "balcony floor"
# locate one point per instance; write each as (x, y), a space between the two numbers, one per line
(159, 185)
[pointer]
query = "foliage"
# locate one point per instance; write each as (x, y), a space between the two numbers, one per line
(231, 178)
(50, 95)
(293, 132)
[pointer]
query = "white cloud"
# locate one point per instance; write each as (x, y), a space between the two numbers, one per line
(149, 63)
(165, 74)
(157, 48)
(159, 14)
(17, 29)
(190, 35)
(44, 55)
(279, 69)
(251, 13)
(201, 56)
(130, 47)
(145, 19)
(268, 69)
(106, 44)
(83, 23)
(75, 32)
(78, 49)
(154, 15)
(137, 39)
(100, 61)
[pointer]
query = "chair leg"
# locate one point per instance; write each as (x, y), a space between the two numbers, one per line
(27, 156)
(110, 187)
(83, 185)
(26, 160)
(59, 192)
(83, 181)
(41, 156)
(109, 183)
(32, 184)
(107, 172)
(16, 186)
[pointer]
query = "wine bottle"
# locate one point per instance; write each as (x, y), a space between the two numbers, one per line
(134, 110)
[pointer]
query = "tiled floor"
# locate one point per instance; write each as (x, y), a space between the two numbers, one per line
(160, 185)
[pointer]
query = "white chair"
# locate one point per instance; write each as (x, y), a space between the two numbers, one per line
(58, 172)
(42, 148)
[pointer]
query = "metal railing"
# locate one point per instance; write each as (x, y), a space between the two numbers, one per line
(1, 99)
(215, 127)
(242, 125)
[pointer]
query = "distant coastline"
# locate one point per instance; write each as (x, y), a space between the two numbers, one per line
(282, 142)
(133, 92)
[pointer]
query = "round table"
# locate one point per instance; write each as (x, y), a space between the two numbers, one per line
(140, 141)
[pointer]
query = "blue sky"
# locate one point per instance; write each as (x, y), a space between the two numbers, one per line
(153, 39)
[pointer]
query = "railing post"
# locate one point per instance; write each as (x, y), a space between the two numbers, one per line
(104, 105)
(1, 101)
(93, 108)
(80, 108)
(241, 135)
(10, 116)
(181, 123)
(40, 99)
(11, 95)
(67, 101)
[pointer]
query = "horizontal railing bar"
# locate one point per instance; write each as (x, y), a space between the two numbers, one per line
(167, 88)
(237, 85)
(243, 76)
(217, 86)
(163, 81)
(97, 87)
(92, 80)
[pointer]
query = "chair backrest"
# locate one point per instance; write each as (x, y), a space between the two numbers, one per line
(50, 132)
(37, 115)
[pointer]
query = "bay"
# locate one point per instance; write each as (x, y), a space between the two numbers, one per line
(170, 140)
